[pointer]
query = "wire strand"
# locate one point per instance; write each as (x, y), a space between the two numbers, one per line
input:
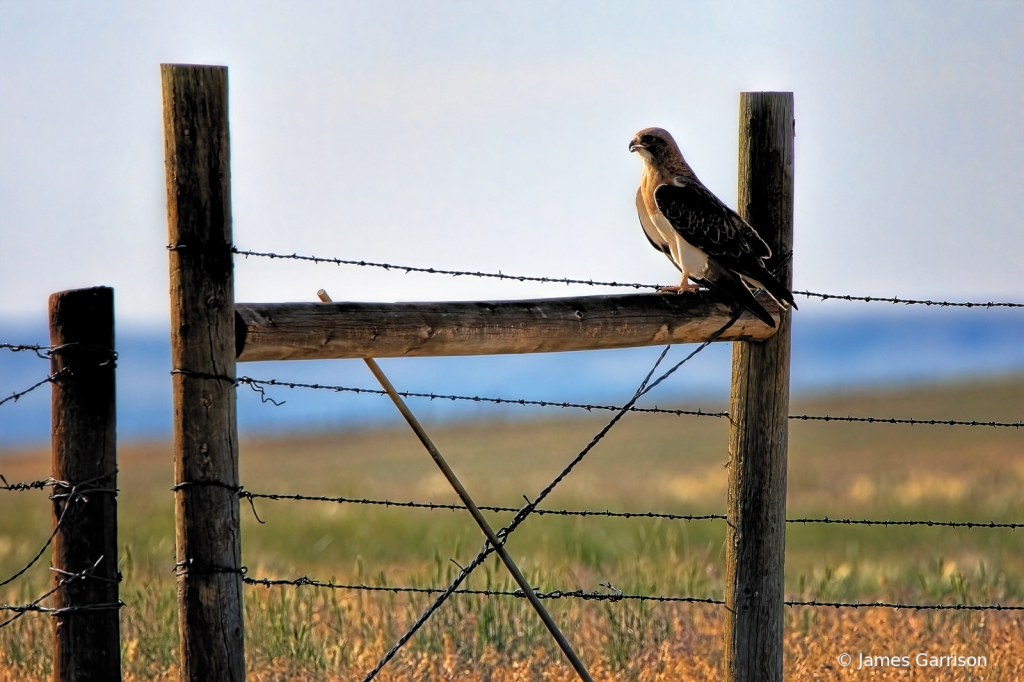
(439, 506)
(590, 282)
(614, 596)
(259, 383)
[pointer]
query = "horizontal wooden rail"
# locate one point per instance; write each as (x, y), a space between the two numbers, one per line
(319, 331)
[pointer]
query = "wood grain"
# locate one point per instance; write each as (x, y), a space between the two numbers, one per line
(759, 405)
(203, 357)
(305, 331)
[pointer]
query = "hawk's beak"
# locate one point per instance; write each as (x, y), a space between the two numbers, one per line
(634, 145)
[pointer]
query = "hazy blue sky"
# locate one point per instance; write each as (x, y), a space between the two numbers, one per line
(493, 136)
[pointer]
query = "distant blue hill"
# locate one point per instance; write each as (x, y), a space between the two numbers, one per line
(829, 353)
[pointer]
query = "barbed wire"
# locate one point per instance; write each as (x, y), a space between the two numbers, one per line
(912, 607)
(459, 507)
(614, 596)
(76, 492)
(34, 607)
(591, 282)
(908, 301)
(19, 347)
(910, 421)
(944, 524)
(477, 399)
(45, 352)
(258, 384)
(625, 515)
(439, 271)
(32, 485)
(433, 506)
(49, 379)
(21, 610)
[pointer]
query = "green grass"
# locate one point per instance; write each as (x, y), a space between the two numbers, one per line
(659, 463)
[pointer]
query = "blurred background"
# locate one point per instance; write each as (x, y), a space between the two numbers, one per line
(492, 136)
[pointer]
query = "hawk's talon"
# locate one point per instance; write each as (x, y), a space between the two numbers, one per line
(683, 288)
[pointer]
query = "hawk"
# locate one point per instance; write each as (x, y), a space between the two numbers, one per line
(705, 239)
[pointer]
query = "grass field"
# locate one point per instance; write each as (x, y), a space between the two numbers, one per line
(658, 463)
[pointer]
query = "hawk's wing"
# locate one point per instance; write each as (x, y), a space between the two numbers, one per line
(705, 222)
(653, 236)
(714, 228)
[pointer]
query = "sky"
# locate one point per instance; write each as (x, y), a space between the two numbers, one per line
(492, 136)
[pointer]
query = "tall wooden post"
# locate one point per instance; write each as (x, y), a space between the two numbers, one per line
(759, 407)
(195, 104)
(87, 644)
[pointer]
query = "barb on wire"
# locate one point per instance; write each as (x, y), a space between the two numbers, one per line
(257, 388)
(76, 491)
(433, 506)
(34, 607)
(238, 490)
(68, 578)
(33, 485)
(19, 347)
(191, 567)
(45, 352)
(50, 379)
(612, 408)
(590, 282)
(614, 596)
(50, 350)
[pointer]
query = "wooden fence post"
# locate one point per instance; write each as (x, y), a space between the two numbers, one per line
(87, 643)
(759, 408)
(195, 105)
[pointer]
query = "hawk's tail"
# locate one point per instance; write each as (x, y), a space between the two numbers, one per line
(779, 292)
(730, 285)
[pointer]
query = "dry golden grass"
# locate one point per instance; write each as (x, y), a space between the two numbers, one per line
(666, 642)
(691, 650)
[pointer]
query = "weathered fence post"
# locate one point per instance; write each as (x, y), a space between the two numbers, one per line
(87, 643)
(759, 407)
(195, 104)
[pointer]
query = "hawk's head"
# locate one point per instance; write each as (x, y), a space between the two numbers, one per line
(653, 143)
(656, 147)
